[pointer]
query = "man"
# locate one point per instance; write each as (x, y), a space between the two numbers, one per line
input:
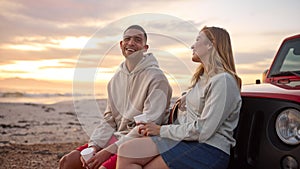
(138, 87)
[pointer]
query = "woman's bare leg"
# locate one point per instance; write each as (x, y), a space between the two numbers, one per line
(136, 153)
(157, 163)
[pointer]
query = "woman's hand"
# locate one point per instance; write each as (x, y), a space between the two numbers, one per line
(149, 129)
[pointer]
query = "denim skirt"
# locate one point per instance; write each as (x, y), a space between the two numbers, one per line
(190, 154)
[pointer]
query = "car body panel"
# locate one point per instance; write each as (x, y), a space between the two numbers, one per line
(258, 146)
(272, 91)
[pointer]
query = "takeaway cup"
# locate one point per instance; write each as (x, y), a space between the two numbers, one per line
(87, 153)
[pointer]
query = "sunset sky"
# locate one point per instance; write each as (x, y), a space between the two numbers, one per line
(49, 40)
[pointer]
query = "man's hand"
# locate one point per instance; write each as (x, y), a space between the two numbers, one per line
(96, 161)
(83, 161)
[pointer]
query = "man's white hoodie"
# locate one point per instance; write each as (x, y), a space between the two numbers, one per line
(144, 90)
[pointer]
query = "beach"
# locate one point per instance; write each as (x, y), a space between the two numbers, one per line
(38, 135)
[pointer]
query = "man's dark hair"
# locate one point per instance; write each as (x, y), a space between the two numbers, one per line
(138, 27)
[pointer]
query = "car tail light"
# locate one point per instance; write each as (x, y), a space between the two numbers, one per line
(288, 126)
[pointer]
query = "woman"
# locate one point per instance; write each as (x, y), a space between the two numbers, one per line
(208, 115)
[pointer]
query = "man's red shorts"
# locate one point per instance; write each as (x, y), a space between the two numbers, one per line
(111, 163)
(80, 148)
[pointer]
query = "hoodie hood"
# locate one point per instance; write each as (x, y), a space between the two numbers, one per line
(147, 61)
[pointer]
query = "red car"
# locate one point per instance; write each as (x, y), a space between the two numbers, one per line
(268, 133)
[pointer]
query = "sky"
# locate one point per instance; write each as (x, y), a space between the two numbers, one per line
(78, 40)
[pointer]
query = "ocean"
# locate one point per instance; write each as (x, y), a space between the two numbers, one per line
(49, 92)
(44, 96)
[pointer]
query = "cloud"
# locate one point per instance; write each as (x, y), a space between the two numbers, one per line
(51, 18)
(245, 62)
(66, 11)
(35, 26)
(250, 58)
(40, 27)
(9, 55)
(12, 72)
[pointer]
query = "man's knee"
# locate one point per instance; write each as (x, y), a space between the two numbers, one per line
(63, 161)
(71, 160)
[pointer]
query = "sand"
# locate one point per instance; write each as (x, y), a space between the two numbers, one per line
(38, 135)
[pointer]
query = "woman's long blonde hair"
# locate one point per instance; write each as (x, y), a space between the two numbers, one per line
(221, 58)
